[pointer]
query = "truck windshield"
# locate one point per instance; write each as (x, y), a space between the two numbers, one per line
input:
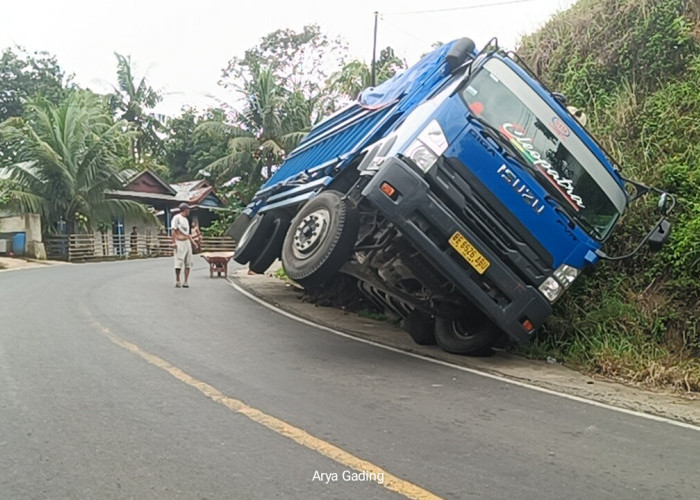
(546, 146)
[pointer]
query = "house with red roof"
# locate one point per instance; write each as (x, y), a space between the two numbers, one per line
(150, 189)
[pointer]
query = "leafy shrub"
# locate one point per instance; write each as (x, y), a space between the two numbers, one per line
(634, 65)
(588, 49)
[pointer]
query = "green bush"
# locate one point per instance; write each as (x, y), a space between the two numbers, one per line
(590, 48)
(634, 65)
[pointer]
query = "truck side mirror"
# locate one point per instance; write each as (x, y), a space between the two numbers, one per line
(458, 54)
(662, 207)
(659, 235)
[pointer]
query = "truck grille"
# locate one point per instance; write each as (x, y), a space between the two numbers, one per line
(472, 202)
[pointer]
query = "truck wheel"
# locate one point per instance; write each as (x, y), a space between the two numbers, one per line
(254, 238)
(473, 334)
(320, 239)
(272, 248)
(421, 327)
(238, 227)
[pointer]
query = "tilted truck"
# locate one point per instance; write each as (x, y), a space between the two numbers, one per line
(462, 195)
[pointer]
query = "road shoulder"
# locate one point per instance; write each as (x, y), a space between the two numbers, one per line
(554, 377)
(16, 263)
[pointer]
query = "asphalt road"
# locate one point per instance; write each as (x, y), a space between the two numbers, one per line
(115, 384)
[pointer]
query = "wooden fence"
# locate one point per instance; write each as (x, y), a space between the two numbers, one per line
(85, 247)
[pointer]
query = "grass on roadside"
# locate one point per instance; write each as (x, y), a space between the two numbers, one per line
(281, 274)
(371, 313)
(623, 335)
(623, 359)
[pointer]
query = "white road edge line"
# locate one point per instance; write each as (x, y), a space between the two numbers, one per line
(463, 368)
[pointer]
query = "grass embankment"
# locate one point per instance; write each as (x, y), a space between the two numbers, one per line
(633, 65)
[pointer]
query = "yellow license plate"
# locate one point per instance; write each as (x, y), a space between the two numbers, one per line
(470, 254)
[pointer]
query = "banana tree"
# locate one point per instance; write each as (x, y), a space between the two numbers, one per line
(64, 158)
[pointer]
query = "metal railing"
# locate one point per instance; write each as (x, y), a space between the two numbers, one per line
(86, 247)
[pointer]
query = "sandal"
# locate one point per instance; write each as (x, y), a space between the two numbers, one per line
(177, 285)
(185, 285)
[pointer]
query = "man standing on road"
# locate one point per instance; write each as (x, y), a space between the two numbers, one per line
(182, 244)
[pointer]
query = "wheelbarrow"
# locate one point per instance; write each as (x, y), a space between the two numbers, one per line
(218, 262)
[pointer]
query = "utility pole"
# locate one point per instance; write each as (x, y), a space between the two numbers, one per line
(374, 51)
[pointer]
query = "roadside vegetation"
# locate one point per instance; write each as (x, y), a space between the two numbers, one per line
(632, 65)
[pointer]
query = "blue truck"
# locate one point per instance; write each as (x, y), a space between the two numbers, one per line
(462, 195)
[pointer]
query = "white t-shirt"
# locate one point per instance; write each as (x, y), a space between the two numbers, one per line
(181, 223)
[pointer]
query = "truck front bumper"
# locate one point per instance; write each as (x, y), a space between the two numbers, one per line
(428, 223)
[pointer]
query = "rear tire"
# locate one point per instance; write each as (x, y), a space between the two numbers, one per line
(320, 239)
(421, 327)
(472, 334)
(271, 251)
(238, 227)
(254, 237)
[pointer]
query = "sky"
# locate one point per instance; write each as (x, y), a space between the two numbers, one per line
(181, 46)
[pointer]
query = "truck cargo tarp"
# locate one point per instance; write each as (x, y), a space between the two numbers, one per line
(407, 82)
(350, 130)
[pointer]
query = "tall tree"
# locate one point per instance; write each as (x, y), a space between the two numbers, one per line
(271, 123)
(281, 85)
(356, 75)
(133, 100)
(299, 62)
(65, 158)
(189, 150)
(24, 75)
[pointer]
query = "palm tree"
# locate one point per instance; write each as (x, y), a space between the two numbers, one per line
(356, 75)
(63, 160)
(134, 102)
(352, 78)
(272, 122)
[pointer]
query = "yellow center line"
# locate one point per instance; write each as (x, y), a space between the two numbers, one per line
(391, 482)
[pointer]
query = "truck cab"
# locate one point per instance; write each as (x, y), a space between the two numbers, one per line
(463, 196)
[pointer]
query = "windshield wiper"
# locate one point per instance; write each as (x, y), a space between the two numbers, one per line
(591, 228)
(561, 209)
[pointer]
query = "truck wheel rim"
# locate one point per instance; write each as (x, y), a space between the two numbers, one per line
(310, 232)
(462, 331)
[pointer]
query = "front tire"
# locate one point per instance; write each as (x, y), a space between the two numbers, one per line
(320, 239)
(471, 334)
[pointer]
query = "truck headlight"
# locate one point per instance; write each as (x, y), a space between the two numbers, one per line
(551, 289)
(428, 146)
(555, 285)
(566, 275)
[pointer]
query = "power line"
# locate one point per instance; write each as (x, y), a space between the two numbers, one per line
(404, 32)
(450, 9)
